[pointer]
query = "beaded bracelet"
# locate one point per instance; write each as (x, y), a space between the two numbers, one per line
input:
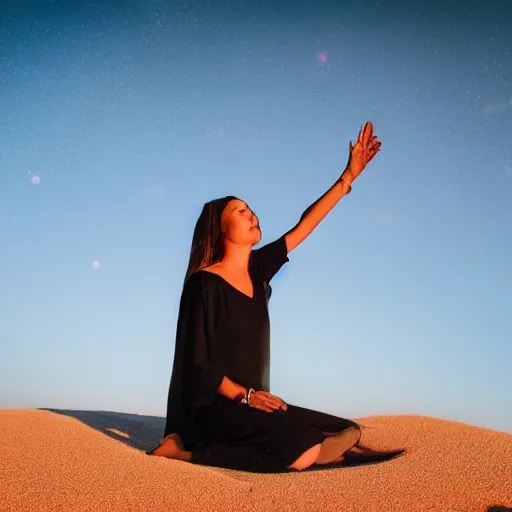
(245, 400)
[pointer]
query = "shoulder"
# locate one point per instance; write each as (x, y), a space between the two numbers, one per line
(212, 269)
(196, 283)
(277, 247)
(195, 291)
(197, 280)
(268, 259)
(204, 282)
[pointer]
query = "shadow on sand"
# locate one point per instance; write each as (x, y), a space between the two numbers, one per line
(139, 432)
(145, 433)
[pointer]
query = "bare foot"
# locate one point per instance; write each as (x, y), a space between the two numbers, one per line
(172, 448)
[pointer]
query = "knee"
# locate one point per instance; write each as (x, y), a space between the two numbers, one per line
(353, 424)
(355, 429)
(307, 459)
(357, 432)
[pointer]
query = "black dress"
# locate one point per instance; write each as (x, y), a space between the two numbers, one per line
(223, 332)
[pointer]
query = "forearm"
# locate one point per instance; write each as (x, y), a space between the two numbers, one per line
(317, 212)
(230, 389)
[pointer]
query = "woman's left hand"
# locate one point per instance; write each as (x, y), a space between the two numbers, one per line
(362, 152)
(267, 402)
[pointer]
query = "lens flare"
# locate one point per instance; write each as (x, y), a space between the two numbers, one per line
(322, 58)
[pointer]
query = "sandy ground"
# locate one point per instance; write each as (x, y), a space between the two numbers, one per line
(95, 461)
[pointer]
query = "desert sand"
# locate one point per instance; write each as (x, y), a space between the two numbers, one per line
(55, 460)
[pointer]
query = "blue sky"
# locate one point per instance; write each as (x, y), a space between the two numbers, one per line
(119, 120)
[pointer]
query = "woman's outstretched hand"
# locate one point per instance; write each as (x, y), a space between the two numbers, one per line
(362, 152)
(267, 402)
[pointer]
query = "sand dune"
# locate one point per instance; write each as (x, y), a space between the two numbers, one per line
(95, 461)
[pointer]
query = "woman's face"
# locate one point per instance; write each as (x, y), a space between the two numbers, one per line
(240, 224)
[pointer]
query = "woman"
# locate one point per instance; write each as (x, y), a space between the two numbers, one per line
(220, 410)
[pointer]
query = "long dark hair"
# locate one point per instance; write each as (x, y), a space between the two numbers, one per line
(207, 241)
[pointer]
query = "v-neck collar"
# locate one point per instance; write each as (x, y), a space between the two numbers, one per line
(234, 287)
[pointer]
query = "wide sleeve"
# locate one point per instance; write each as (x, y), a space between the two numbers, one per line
(202, 377)
(270, 258)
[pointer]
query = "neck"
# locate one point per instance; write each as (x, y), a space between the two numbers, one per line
(236, 258)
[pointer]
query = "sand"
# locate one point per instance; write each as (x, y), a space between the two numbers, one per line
(95, 461)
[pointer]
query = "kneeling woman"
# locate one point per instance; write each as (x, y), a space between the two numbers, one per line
(220, 410)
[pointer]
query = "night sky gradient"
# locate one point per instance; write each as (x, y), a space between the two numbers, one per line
(118, 120)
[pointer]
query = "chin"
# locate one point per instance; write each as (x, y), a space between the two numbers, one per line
(256, 238)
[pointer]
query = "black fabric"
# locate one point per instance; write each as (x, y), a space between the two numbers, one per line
(268, 260)
(223, 332)
(248, 439)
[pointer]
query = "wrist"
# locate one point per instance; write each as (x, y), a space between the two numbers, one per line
(244, 399)
(348, 177)
(240, 394)
(345, 183)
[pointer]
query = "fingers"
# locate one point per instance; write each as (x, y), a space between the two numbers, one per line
(281, 403)
(366, 136)
(375, 147)
(370, 155)
(260, 400)
(273, 401)
(372, 147)
(367, 131)
(267, 402)
(277, 401)
(265, 408)
(372, 141)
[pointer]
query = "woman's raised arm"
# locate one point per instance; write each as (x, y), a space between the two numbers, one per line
(360, 153)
